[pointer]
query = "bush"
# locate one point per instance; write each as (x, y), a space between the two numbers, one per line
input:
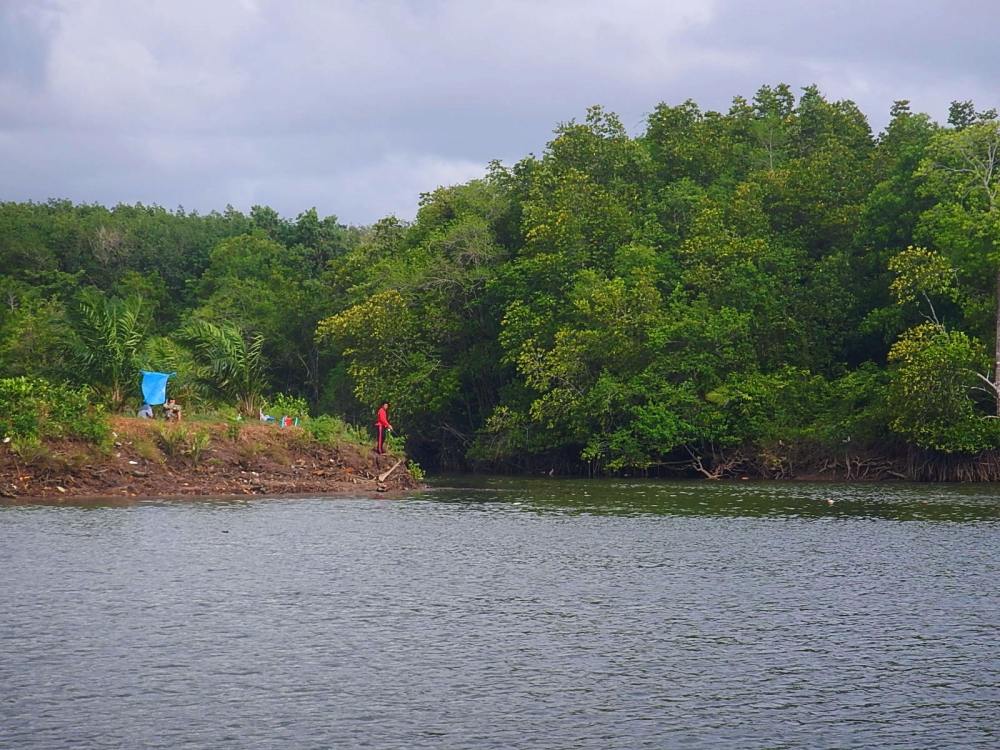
(284, 405)
(395, 443)
(416, 471)
(331, 430)
(32, 409)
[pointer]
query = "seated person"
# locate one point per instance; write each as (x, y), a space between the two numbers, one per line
(264, 417)
(145, 411)
(172, 411)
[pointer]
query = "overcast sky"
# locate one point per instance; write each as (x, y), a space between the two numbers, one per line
(357, 106)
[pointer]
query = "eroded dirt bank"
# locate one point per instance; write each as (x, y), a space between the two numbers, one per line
(197, 458)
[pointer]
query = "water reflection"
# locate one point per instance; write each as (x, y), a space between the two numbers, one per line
(897, 502)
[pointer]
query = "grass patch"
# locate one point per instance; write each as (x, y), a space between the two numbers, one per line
(197, 444)
(30, 450)
(277, 453)
(179, 442)
(173, 440)
(248, 452)
(147, 449)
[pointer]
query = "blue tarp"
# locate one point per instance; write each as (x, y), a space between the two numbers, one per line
(154, 386)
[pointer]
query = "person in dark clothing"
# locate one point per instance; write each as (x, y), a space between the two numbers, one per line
(381, 425)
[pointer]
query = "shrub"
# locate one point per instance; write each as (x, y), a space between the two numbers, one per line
(30, 451)
(285, 405)
(395, 443)
(415, 470)
(32, 409)
(331, 430)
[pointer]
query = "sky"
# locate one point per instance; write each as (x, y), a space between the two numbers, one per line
(355, 107)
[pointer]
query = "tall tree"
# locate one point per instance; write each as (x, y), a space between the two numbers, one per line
(962, 173)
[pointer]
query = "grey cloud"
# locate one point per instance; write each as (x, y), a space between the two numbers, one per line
(357, 107)
(23, 44)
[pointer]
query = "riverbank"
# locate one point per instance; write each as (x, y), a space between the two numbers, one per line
(148, 458)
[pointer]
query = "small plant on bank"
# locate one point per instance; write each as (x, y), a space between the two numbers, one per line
(395, 443)
(415, 470)
(179, 442)
(30, 450)
(146, 449)
(248, 453)
(278, 453)
(173, 441)
(233, 429)
(197, 444)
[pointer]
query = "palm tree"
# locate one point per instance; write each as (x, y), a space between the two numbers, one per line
(110, 332)
(229, 361)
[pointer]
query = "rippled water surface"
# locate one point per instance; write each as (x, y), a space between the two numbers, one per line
(507, 614)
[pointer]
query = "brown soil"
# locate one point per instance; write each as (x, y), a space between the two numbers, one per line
(198, 458)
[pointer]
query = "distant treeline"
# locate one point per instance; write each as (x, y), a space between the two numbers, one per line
(754, 285)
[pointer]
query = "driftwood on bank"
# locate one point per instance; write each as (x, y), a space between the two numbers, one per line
(385, 474)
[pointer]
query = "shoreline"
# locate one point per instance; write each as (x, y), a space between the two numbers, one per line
(204, 459)
(198, 459)
(344, 493)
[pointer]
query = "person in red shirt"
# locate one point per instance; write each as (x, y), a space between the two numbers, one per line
(381, 425)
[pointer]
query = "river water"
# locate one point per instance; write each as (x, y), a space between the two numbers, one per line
(503, 613)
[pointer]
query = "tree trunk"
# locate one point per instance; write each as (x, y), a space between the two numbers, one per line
(996, 371)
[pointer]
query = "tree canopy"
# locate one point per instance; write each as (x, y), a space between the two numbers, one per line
(719, 285)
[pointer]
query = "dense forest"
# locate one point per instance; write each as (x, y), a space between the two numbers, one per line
(724, 293)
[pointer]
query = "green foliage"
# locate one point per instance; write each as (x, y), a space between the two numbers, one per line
(197, 444)
(929, 391)
(110, 332)
(332, 430)
(173, 440)
(415, 471)
(283, 404)
(389, 359)
(177, 441)
(960, 176)
(722, 283)
(36, 338)
(32, 409)
(921, 272)
(229, 362)
(234, 427)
